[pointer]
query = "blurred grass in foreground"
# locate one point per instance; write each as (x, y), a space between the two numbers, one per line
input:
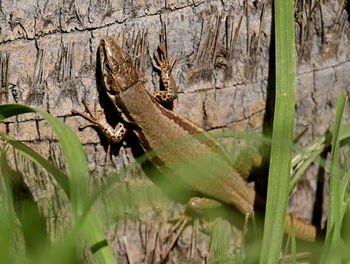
(131, 200)
(74, 184)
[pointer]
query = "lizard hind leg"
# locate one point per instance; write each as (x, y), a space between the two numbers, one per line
(195, 205)
(178, 228)
(162, 64)
(114, 135)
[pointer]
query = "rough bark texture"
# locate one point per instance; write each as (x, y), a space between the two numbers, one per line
(224, 73)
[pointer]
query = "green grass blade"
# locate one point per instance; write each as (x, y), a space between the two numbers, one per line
(282, 136)
(303, 168)
(345, 192)
(103, 253)
(72, 150)
(334, 203)
(293, 247)
(344, 132)
(333, 238)
(77, 171)
(311, 153)
(346, 230)
(7, 216)
(31, 154)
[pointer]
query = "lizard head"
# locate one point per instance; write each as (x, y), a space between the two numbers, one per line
(118, 73)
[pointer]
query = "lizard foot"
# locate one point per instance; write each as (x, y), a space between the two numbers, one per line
(165, 67)
(161, 62)
(114, 135)
(92, 116)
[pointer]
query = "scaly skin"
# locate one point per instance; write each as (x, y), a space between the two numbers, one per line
(199, 164)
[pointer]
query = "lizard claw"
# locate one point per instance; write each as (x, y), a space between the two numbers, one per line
(161, 62)
(85, 126)
(92, 116)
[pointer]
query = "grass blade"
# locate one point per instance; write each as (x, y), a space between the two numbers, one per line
(31, 154)
(333, 238)
(293, 247)
(282, 135)
(334, 203)
(77, 171)
(7, 216)
(72, 150)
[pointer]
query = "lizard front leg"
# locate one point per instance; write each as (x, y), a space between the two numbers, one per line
(114, 135)
(162, 64)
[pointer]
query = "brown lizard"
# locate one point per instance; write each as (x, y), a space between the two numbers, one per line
(155, 126)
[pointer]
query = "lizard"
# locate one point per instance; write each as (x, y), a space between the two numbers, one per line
(156, 126)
